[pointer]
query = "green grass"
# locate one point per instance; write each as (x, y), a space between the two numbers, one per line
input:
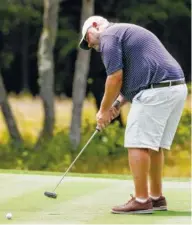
(82, 200)
(94, 175)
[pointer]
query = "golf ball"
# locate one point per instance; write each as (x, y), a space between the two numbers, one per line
(9, 216)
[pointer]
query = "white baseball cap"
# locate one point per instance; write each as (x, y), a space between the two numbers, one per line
(87, 24)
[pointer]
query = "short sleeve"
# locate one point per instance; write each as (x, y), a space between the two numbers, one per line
(111, 53)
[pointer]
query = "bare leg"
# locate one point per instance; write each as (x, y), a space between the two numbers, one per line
(139, 162)
(155, 173)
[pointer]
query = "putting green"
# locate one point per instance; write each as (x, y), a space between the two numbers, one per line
(83, 201)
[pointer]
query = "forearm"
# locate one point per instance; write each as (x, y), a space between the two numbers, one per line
(112, 90)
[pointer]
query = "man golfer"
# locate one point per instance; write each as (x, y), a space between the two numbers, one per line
(140, 70)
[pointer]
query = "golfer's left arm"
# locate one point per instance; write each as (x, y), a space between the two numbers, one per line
(113, 86)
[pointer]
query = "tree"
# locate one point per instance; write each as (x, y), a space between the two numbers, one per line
(46, 66)
(8, 115)
(17, 18)
(80, 79)
(24, 52)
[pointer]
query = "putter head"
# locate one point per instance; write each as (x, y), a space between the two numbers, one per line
(50, 194)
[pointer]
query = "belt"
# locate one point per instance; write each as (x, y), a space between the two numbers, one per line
(167, 84)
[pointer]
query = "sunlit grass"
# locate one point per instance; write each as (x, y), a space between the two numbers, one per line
(28, 113)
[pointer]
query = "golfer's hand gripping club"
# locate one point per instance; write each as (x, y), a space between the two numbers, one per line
(116, 105)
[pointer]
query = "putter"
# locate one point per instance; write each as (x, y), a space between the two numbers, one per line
(53, 194)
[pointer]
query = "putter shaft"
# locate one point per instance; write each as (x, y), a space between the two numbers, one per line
(96, 131)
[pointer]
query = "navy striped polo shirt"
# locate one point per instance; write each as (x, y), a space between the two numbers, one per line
(140, 54)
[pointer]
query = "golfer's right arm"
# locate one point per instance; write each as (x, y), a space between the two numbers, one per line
(112, 58)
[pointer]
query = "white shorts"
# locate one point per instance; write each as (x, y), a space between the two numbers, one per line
(154, 116)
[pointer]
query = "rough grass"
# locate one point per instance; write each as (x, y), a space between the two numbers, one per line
(28, 113)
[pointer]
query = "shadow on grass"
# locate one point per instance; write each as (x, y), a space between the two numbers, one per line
(172, 213)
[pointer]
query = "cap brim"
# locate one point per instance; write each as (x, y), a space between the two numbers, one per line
(83, 44)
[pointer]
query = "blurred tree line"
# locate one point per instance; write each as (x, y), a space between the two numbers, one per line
(21, 24)
(39, 49)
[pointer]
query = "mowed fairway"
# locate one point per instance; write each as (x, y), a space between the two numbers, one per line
(83, 200)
